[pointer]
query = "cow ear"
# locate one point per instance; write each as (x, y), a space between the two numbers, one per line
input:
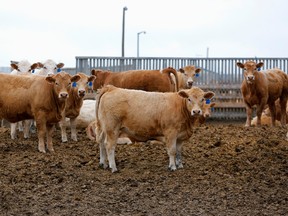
(40, 65)
(181, 70)
(14, 66)
(260, 64)
(183, 94)
(50, 79)
(75, 78)
(34, 66)
(212, 104)
(95, 72)
(209, 95)
(198, 70)
(239, 64)
(91, 78)
(60, 65)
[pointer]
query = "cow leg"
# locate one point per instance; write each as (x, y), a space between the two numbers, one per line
(249, 116)
(103, 155)
(283, 105)
(62, 125)
(13, 127)
(26, 131)
(50, 130)
(272, 109)
(171, 150)
(73, 129)
(110, 144)
(178, 154)
(20, 125)
(41, 128)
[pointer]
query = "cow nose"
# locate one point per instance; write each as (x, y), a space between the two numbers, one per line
(63, 95)
(190, 83)
(251, 77)
(196, 112)
(81, 92)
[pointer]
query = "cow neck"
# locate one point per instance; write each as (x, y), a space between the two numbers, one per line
(59, 105)
(253, 87)
(187, 125)
(75, 100)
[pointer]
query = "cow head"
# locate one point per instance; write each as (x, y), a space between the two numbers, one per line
(207, 108)
(195, 99)
(188, 75)
(24, 66)
(250, 69)
(83, 84)
(50, 67)
(62, 83)
(100, 77)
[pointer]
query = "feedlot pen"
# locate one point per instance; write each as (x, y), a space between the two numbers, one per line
(220, 75)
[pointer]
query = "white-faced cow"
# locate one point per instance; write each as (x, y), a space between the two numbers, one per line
(48, 68)
(146, 116)
(263, 87)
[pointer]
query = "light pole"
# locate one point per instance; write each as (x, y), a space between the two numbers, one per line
(123, 30)
(144, 32)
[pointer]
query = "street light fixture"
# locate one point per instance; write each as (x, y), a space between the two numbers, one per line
(123, 30)
(144, 32)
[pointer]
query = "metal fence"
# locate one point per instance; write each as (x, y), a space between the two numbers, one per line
(220, 75)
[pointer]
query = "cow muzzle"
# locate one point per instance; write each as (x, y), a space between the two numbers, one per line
(250, 78)
(81, 93)
(63, 95)
(196, 112)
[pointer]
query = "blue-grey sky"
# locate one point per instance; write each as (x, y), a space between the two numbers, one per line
(62, 29)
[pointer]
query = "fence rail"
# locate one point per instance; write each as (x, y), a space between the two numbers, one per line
(220, 75)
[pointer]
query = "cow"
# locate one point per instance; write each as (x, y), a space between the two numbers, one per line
(74, 104)
(263, 87)
(186, 76)
(23, 67)
(48, 68)
(147, 80)
(146, 116)
(36, 97)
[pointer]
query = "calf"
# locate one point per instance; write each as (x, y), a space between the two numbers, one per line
(147, 80)
(74, 104)
(38, 97)
(146, 116)
(263, 87)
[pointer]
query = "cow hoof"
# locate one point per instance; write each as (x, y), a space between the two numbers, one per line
(103, 166)
(114, 170)
(64, 141)
(42, 150)
(172, 168)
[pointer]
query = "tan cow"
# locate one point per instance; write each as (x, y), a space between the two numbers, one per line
(263, 87)
(186, 76)
(74, 104)
(38, 97)
(147, 80)
(146, 116)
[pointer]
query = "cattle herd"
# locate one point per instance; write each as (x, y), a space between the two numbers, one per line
(135, 105)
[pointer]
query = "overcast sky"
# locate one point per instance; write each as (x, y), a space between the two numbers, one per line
(37, 30)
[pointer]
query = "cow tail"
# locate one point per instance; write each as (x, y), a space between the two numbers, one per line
(170, 70)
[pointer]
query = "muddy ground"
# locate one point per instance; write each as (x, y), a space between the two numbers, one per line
(228, 170)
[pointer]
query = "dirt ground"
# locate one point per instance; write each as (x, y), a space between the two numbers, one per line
(228, 170)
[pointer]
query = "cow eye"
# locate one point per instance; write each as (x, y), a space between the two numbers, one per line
(45, 67)
(56, 83)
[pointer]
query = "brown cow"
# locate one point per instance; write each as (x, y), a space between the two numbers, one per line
(263, 87)
(147, 80)
(207, 106)
(186, 76)
(38, 97)
(74, 104)
(146, 116)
